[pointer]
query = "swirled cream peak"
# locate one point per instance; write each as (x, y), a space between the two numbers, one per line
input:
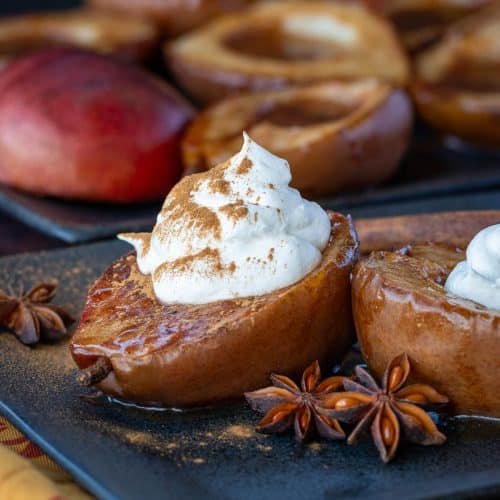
(478, 277)
(237, 230)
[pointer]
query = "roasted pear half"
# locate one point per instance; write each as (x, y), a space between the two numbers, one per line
(187, 355)
(400, 305)
(423, 22)
(457, 84)
(334, 135)
(123, 37)
(279, 44)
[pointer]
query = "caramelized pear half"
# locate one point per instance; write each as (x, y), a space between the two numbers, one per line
(187, 355)
(400, 305)
(422, 22)
(126, 38)
(279, 44)
(457, 86)
(335, 135)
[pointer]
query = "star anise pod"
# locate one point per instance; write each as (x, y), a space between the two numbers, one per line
(31, 316)
(286, 405)
(392, 410)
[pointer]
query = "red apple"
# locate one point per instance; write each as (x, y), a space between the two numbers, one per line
(75, 124)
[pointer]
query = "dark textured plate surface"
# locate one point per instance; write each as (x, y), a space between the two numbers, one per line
(120, 452)
(76, 222)
(429, 171)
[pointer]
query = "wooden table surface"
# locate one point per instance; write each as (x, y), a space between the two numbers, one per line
(16, 237)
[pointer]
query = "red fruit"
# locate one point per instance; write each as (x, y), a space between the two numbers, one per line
(78, 125)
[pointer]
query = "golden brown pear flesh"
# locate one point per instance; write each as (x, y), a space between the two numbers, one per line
(400, 305)
(194, 355)
(282, 44)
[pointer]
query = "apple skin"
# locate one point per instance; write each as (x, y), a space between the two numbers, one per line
(77, 125)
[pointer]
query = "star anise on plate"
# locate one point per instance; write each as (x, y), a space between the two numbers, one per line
(285, 405)
(391, 410)
(31, 316)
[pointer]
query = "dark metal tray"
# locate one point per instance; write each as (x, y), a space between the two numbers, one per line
(127, 453)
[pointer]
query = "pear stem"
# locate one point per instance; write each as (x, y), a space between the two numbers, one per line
(95, 373)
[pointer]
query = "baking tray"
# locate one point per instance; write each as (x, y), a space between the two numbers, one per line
(428, 171)
(128, 453)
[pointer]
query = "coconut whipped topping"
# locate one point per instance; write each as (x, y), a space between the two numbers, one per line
(478, 277)
(237, 230)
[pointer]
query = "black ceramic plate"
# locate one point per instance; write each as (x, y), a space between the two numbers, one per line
(127, 453)
(428, 171)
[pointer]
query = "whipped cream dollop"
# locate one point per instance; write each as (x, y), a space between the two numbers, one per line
(478, 277)
(237, 230)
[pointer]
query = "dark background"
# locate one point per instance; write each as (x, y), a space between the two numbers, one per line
(13, 6)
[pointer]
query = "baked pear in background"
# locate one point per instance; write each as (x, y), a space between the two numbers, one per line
(457, 81)
(335, 135)
(280, 44)
(128, 39)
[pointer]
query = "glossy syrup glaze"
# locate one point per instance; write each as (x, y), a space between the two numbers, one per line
(189, 356)
(400, 305)
(123, 317)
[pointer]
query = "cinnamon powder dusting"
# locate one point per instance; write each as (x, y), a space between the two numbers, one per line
(219, 186)
(210, 256)
(179, 203)
(240, 431)
(235, 211)
(244, 167)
